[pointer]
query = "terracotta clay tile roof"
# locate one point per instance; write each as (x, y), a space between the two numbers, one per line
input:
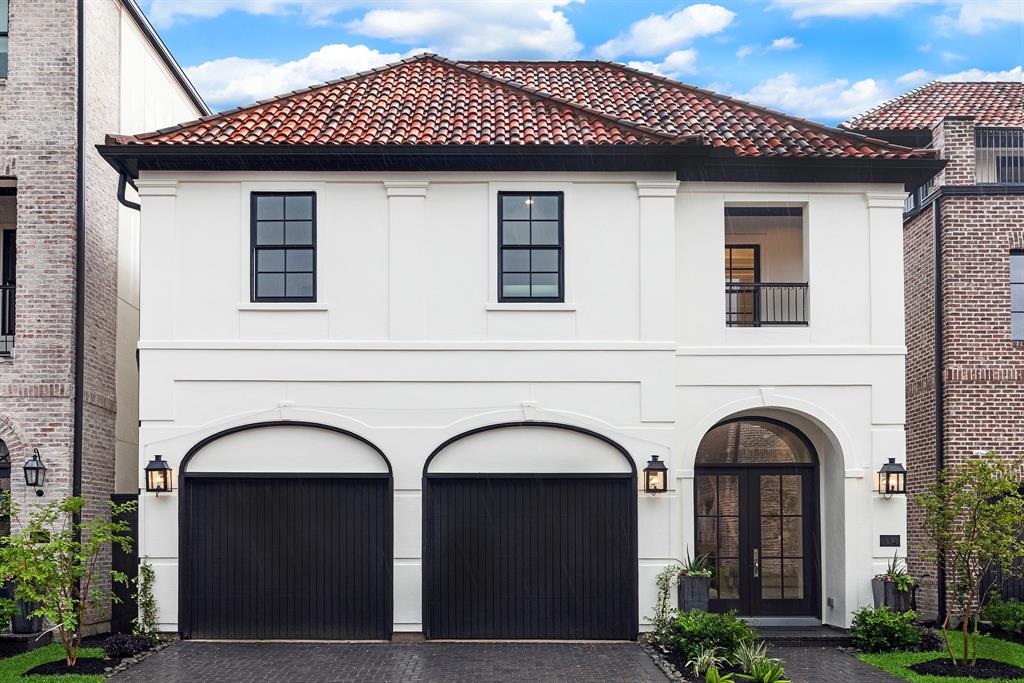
(997, 104)
(428, 100)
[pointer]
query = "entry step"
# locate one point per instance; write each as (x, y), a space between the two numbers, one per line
(796, 636)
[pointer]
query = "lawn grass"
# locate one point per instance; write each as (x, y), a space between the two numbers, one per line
(11, 668)
(897, 663)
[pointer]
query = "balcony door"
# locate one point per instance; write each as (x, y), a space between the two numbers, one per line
(742, 270)
(757, 518)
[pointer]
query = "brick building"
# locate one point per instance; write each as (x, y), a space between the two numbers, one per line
(70, 71)
(972, 324)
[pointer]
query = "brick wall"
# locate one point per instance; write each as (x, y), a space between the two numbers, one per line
(38, 133)
(919, 308)
(983, 368)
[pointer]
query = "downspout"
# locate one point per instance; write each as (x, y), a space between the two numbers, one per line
(79, 426)
(122, 182)
(940, 386)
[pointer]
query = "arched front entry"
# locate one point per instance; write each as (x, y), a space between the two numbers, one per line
(285, 533)
(530, 532)
(756, 516)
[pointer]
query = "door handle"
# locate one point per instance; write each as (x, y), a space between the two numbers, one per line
(757, 563)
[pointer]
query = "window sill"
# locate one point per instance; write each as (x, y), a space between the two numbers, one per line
(525, 306)
(283, 306)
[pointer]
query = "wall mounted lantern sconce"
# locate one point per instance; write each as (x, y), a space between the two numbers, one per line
(655, 476)
(891, 480)
(35, 472)
(158, 475)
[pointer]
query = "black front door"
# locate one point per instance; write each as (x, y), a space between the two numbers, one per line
(759, 526)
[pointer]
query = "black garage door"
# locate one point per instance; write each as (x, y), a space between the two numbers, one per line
(286, 558)
(530, 557)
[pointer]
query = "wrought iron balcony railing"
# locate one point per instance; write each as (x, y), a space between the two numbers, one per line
(764, 304)
(6, 319)
(999, 156)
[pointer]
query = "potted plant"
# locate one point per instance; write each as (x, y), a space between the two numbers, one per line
(694, 583)
(894, 588)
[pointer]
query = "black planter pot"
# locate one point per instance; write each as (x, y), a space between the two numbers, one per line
(693, 593)
(888, 594)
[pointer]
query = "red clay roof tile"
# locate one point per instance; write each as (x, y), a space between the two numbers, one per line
(428, 100)
(997, 104)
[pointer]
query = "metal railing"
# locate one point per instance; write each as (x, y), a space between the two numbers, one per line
(6, 319)
(999, 156)
(763, 304)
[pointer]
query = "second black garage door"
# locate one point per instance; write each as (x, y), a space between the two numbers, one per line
(530, 557)
(286, 558)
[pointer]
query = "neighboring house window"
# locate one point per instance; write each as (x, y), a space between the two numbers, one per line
(1017, 295)
(4, 18)
(283, 246)
(530, 246)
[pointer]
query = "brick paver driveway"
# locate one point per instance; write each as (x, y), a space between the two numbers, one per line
(468, 662)
(827, 665)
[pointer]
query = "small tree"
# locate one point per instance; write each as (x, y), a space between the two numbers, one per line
(973, 516)
(52, 558)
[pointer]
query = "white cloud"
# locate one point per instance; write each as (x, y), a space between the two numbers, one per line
(927, 47)
(237, 80)
(950, 56)
(660, 33)
(1015, 74)
(674, 65)
(746, 51)
(495, 28)
(976, 16)
(855, 9)
(835, 99)
(840, 99)
(524, 29)
(785, 43)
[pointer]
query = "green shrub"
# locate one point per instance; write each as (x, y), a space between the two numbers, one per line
(882, 630)
(692, 632)
(1007, 615)
(713, 676)
(766, 671)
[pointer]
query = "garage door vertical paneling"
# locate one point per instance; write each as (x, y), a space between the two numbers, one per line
(286, 558)
(531, 557)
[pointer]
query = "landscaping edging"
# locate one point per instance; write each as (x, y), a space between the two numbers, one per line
(128, 662)
(663, 664)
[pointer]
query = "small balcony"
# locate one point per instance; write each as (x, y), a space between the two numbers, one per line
(999, 156)
(6, 319)
(765, 267)
(765, 304)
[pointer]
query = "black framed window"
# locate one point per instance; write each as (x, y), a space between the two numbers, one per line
(1017, 295)
(4, 19)
(283, 246)
(530, 246)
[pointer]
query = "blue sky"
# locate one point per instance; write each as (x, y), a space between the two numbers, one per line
(822, 59)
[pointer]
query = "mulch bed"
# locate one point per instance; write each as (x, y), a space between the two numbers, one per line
(86, 666)
(984, 669)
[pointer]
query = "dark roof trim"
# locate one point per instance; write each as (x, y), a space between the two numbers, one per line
(916, 138)
(133, 158)
(165, 55)
(690, 162)
(964, 191)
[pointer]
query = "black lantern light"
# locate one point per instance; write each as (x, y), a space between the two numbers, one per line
(655, 476)
(35, 472)
(892, 479)
(158, 475)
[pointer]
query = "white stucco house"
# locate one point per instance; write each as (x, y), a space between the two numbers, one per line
(410, 338)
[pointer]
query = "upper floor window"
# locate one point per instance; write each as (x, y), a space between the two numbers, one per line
(999, 155)
(283, 246)
(4, 18)
(1017, 295)
(530, 246)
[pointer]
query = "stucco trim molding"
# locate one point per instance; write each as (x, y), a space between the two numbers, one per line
(406, 188)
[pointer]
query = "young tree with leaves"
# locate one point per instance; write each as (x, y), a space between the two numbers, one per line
(973, 519)
(51, 558)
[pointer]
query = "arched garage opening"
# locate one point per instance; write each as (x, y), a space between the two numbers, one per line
(530, 533)
(286, 533)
